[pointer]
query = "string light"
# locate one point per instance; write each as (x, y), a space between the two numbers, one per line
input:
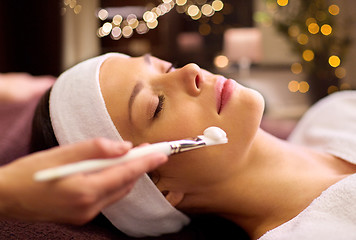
(71, 4)
(195, 9)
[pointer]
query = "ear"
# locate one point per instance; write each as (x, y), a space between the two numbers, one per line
(174, 198)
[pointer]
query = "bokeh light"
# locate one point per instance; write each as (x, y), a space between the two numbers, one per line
(193, 10)
(293, 86)
(181, 2)
(326, 29)
(313, 28)
(303, 87)
(332, 89)
(334, 9)
(308, 55)
(196, 9)
(282, 3)
(103, 14)
(340, 72)
(296, 68)
(221, 61)
(217, 5)
(303, 39)
(334, 61)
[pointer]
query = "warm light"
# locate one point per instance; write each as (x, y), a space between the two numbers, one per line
(196, 17)
(181, 2)
(152, 25)
(282, 3)
(334, 61)
(334, 9)
(207, 10)
(77, 9)
(107, 27)
(116, 33)
(142, 28)
(217, 5)
(103, 14)
(293, 86)
(310, 21)
(303, 87)
(149, 16)
(308, 55)
(296, 68)
(326, 29)
(117, 19)
(303, 39)
(72, 3)
(340, 72)
(127, 31)
(193, 10)
(313, 28)
(221, 61)
(332, 89)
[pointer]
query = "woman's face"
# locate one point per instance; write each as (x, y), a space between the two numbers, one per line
(149, 101)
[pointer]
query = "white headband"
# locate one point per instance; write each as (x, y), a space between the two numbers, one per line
(78, 112)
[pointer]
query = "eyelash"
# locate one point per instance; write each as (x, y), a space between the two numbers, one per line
(170, 67)
(159, 106)
(161, 97)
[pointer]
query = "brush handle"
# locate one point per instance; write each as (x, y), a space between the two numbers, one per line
(95, 165)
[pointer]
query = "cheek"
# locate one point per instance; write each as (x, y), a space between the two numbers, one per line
(180, 122)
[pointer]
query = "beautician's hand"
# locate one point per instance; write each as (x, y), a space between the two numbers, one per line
(75, 199)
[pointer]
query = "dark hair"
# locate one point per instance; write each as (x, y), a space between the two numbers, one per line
(42, 136)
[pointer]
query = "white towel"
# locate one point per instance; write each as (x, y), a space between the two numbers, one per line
(78, 112)
(330, 126)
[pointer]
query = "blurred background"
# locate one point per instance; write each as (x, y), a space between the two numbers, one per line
(293, 52)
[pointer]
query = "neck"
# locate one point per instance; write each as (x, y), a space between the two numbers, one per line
(277, 182)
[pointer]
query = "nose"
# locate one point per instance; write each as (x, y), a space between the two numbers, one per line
(191, 77)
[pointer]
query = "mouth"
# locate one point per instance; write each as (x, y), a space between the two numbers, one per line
(224, 89)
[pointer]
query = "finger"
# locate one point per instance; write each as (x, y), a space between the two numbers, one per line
(91, 149)
(114, 178)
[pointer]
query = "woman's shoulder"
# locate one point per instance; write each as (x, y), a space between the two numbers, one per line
(329, 125)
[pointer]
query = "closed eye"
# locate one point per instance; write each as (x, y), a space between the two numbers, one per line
(171, 67)
(159, 106)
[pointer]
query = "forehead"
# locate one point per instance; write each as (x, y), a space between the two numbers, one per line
(117, 78)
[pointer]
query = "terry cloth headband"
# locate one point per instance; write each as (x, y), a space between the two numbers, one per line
(78, 112)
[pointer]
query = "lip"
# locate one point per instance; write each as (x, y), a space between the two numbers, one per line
(224, 89)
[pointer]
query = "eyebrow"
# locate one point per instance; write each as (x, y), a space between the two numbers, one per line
(138, 87)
